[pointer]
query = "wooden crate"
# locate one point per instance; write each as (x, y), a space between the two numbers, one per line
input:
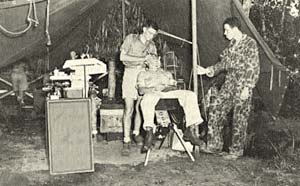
(111, 120)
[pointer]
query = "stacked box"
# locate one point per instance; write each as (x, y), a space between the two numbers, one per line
(111, 120)
(73, 93)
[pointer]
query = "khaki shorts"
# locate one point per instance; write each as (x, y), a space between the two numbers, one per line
(19, 81)
(129, 89)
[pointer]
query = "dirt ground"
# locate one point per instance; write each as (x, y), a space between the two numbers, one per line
(24, 162)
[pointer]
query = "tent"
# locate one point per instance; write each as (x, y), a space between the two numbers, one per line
(68, 28)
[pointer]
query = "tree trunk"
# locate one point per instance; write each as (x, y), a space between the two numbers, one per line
(111, 80)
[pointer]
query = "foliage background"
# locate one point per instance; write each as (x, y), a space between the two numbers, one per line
(278, 22)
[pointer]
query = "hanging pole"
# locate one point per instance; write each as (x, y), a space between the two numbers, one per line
(194, 40)
(173, 36)
(47, 66)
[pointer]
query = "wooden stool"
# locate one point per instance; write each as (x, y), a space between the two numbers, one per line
(166, 121)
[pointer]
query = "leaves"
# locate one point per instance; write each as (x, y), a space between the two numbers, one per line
(279, 24)
(109, 36)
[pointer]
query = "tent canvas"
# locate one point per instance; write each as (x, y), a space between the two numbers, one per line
(175, 18)
(69, 27)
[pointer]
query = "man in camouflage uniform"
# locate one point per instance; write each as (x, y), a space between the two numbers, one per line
(240, 60)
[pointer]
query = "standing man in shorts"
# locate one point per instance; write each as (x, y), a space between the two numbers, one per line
(135, 51)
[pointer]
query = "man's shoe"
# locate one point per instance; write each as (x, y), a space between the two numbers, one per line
(190, 135)
(126, 149)
(148, 140)
(138, 139)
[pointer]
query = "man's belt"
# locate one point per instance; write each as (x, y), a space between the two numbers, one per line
(136, 67)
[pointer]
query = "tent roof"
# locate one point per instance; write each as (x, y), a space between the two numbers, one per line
(68, 28)
(175, 18)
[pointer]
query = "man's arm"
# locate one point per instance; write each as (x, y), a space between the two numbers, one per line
(125, 57)
(217, 68)
(252, 67)
(147, 90)
(221, 65)
(171, 84)
(131, 58)
(145, 87)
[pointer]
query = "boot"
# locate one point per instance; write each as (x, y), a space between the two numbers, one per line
(148, 139)
(190, 135)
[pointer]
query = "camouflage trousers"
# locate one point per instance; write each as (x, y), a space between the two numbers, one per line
(220, 105)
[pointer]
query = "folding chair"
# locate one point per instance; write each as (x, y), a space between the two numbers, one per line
(165, 112)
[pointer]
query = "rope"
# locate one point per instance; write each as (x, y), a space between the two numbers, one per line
(32, 6)
(202, 87)
(271, 78)
(47, 24)
(279, 78)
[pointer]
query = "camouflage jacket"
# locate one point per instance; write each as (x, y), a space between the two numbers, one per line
(241, 63)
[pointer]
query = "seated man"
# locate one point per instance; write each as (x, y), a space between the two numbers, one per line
(155, 84)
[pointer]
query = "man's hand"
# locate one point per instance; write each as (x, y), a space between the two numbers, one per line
(159, 88)
(245, 93)
(150, 57)
(169, 88)
(205, 71)
(173, 82)
(202, 70)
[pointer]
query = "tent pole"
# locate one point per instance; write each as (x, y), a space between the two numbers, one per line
(194, 40)
(123, 19)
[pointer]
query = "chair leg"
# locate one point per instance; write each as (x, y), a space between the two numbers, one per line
(182, 142)
(147, 157)
(162, 142)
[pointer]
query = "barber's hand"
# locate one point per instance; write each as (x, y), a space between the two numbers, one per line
(245, 93)
(147, 58)
(151, 57)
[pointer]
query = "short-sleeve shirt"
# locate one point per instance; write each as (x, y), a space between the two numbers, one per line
(133, 46)
(152, 79)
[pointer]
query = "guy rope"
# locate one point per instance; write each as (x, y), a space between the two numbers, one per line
(29, 20)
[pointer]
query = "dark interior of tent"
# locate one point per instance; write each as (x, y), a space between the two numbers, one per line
(41, 34)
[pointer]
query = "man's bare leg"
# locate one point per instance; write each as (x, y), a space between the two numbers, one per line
(128, 110)
(137, 123)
